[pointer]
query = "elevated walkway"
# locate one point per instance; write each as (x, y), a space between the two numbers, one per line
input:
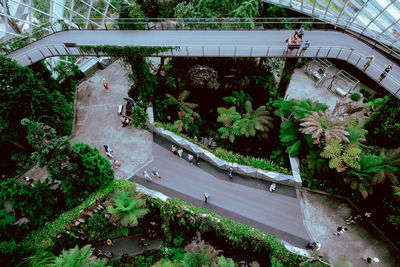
(216, 43)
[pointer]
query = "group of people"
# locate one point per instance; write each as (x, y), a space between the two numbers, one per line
(114, 163)
(154, 172)
(296, 42)
(190, 157)
(369, 60)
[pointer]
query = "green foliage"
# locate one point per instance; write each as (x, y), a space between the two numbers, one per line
(194, 259)
(76, 257)
(25, 96)
(130, 16)
(139, 117)
(254, 120)
(297, 109)
(126, 208)
(44, 238)
(366, 94)
(384, 123)
(341, 156)
(38, 204)
(222, 262)
(291, 137)
(228, 117)
(238, 99)
(355, 97)
(183, 106)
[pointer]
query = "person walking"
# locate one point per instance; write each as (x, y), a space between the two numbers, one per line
(105, 84)
(206, 197)
(385, 72)
(180, 152)
(154, 171)
(29, 181)
(369, 59)
(272, 187)
(339, 231)
(110, 242)
(190, 158)
(369, 261)
(147, 176)
(230, 172)
(173, 149)
(300, 32)
(198, 159)
(304, 47)
(108, 151)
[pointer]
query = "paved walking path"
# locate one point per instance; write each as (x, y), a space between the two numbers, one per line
(216, 43)
(130, 245)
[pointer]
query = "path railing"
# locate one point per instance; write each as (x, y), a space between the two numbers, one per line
(358, 60)
(258, 24)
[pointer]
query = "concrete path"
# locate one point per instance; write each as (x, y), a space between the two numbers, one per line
(277, 211)
(130, 245)
(217, 43)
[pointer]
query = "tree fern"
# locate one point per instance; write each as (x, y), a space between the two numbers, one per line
(76, 257)
(341, 156)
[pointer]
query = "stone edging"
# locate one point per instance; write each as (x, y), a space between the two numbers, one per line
(291, 180)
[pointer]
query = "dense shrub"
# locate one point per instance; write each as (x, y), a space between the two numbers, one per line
(139, 117)
(355, 97)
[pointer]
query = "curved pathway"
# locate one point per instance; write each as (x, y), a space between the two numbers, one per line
(324, 44)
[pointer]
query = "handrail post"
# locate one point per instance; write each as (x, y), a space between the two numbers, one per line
(358, 60)
(340, 50)
(318, 52)
(251, 51)
(267, 52)
(350, 54)
(187, 51)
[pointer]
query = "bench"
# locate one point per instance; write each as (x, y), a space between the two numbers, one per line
(340, 91)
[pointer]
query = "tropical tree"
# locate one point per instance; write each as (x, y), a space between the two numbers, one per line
(76, 257)
(297, 109)
(291, 137)
(341, 156)
(391, 165)
(254, 120)
(186, 107)
(323, 124)
(127, 207)
(228, 117)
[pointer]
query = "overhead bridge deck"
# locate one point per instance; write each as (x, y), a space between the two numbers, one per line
(216, 43)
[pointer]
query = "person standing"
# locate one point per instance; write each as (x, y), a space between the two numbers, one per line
(154, 171)
(304, 47)
(300, 32)
(198, 159)
(190, 158)
(230, 172)
(385, 72)
(180, 152)
(206, 197)
(173, 149)
(339, 231)
(105, 84)
(108, 151)
(369, 59)
(272, 187)
(147, 176)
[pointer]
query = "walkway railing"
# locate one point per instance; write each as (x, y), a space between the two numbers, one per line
(342, 53)
(185, 24)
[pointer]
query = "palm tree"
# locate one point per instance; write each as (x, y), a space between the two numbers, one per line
(186, 107)
(76, 257)
(228, 117)
(254, 120)
(323, 124)
(127, 207)
(391, 164)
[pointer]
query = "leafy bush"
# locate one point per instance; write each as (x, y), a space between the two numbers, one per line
(367, 94)
(139, 117)
(355, 97)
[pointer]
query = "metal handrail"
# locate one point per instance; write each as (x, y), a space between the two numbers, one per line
(182, 24)
(335, 52)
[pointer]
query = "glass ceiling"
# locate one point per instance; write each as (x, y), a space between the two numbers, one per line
(378, 19)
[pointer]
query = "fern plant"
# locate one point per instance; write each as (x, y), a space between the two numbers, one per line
(341, 156)
(228, 117)
(297, 109)
(324, 125)
(292, 138)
